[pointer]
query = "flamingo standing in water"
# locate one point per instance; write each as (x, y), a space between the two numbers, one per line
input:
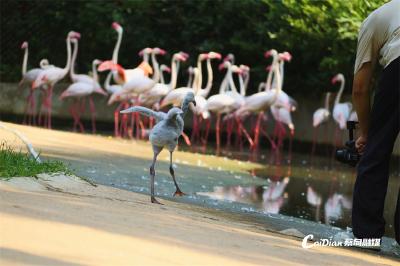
(28, 77)
(82, 89)
(225, 102)
(200, 112)
(50, 76)
(320, 116)
(341, 111)
(133, 81)
(284, 105)
(81, 77)
(259, 102)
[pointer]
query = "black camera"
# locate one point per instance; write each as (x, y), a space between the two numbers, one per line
(349, 154)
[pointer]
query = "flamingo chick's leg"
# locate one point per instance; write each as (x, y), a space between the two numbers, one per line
(156, 152)
(178, 191)
(187, 139)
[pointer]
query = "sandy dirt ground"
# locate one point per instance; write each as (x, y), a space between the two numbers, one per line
(60, 220)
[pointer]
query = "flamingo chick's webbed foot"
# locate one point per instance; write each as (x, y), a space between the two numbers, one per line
(154, 200)
(178, 191)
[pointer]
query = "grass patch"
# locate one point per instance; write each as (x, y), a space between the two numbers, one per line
(16, 163)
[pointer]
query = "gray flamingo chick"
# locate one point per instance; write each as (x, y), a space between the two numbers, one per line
(165, 133)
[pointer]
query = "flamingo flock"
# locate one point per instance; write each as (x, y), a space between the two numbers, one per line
(232, 112)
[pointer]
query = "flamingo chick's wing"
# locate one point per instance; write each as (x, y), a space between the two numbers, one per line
(147, 112)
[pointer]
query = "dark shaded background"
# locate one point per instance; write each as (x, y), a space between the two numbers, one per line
(321, 35)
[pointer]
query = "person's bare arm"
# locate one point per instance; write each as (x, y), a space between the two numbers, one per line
(361, 100)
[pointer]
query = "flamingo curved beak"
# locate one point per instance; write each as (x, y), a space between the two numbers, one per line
(267, 54)
(334, 80)
(167, 69)
(76, 35)
(115, 25)
(221, 66)
(186, 55)
(217, 55)
(288, 57)
(24, 45)
(161, 51)
(107, 65)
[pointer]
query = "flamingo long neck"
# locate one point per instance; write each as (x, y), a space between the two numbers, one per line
(224, 83)
(241, 85)
(278, 78)
(268, 81)
(156, 67)
(189, 83)
(328, 95)
(339, 95)
(196, 80)
(281, 67)
(68, 64)
(25, 62)
(231, 82)
(146, 57)
(210, 77)
(246, 82)
(162, 77)
(185, 107)
(94, 71)
(261, 86)
(174, 73)
(116, 48)
(74, 55)
(199, 67)
(107, 81)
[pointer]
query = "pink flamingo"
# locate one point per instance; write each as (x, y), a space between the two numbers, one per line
(200, 111)
(81, 77)
(161, 89)
(82, 89)
(259, 102)
(225, 102)
(320, 116)
(138, 82)
(28, 77)
(341, 111)
(50, 76)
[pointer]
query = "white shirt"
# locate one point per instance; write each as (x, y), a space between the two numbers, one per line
(379, 36)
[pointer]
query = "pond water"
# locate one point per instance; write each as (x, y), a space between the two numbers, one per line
(320, 191)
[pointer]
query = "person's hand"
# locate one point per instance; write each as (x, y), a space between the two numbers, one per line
(360, 144)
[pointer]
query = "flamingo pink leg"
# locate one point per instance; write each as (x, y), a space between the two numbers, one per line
(116, 120)
(218, 132)
(206, 133)
(93, 113)
(314, 143)
(195, 130)
(247, 135)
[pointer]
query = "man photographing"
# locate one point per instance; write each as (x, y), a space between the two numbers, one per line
(378, 40)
